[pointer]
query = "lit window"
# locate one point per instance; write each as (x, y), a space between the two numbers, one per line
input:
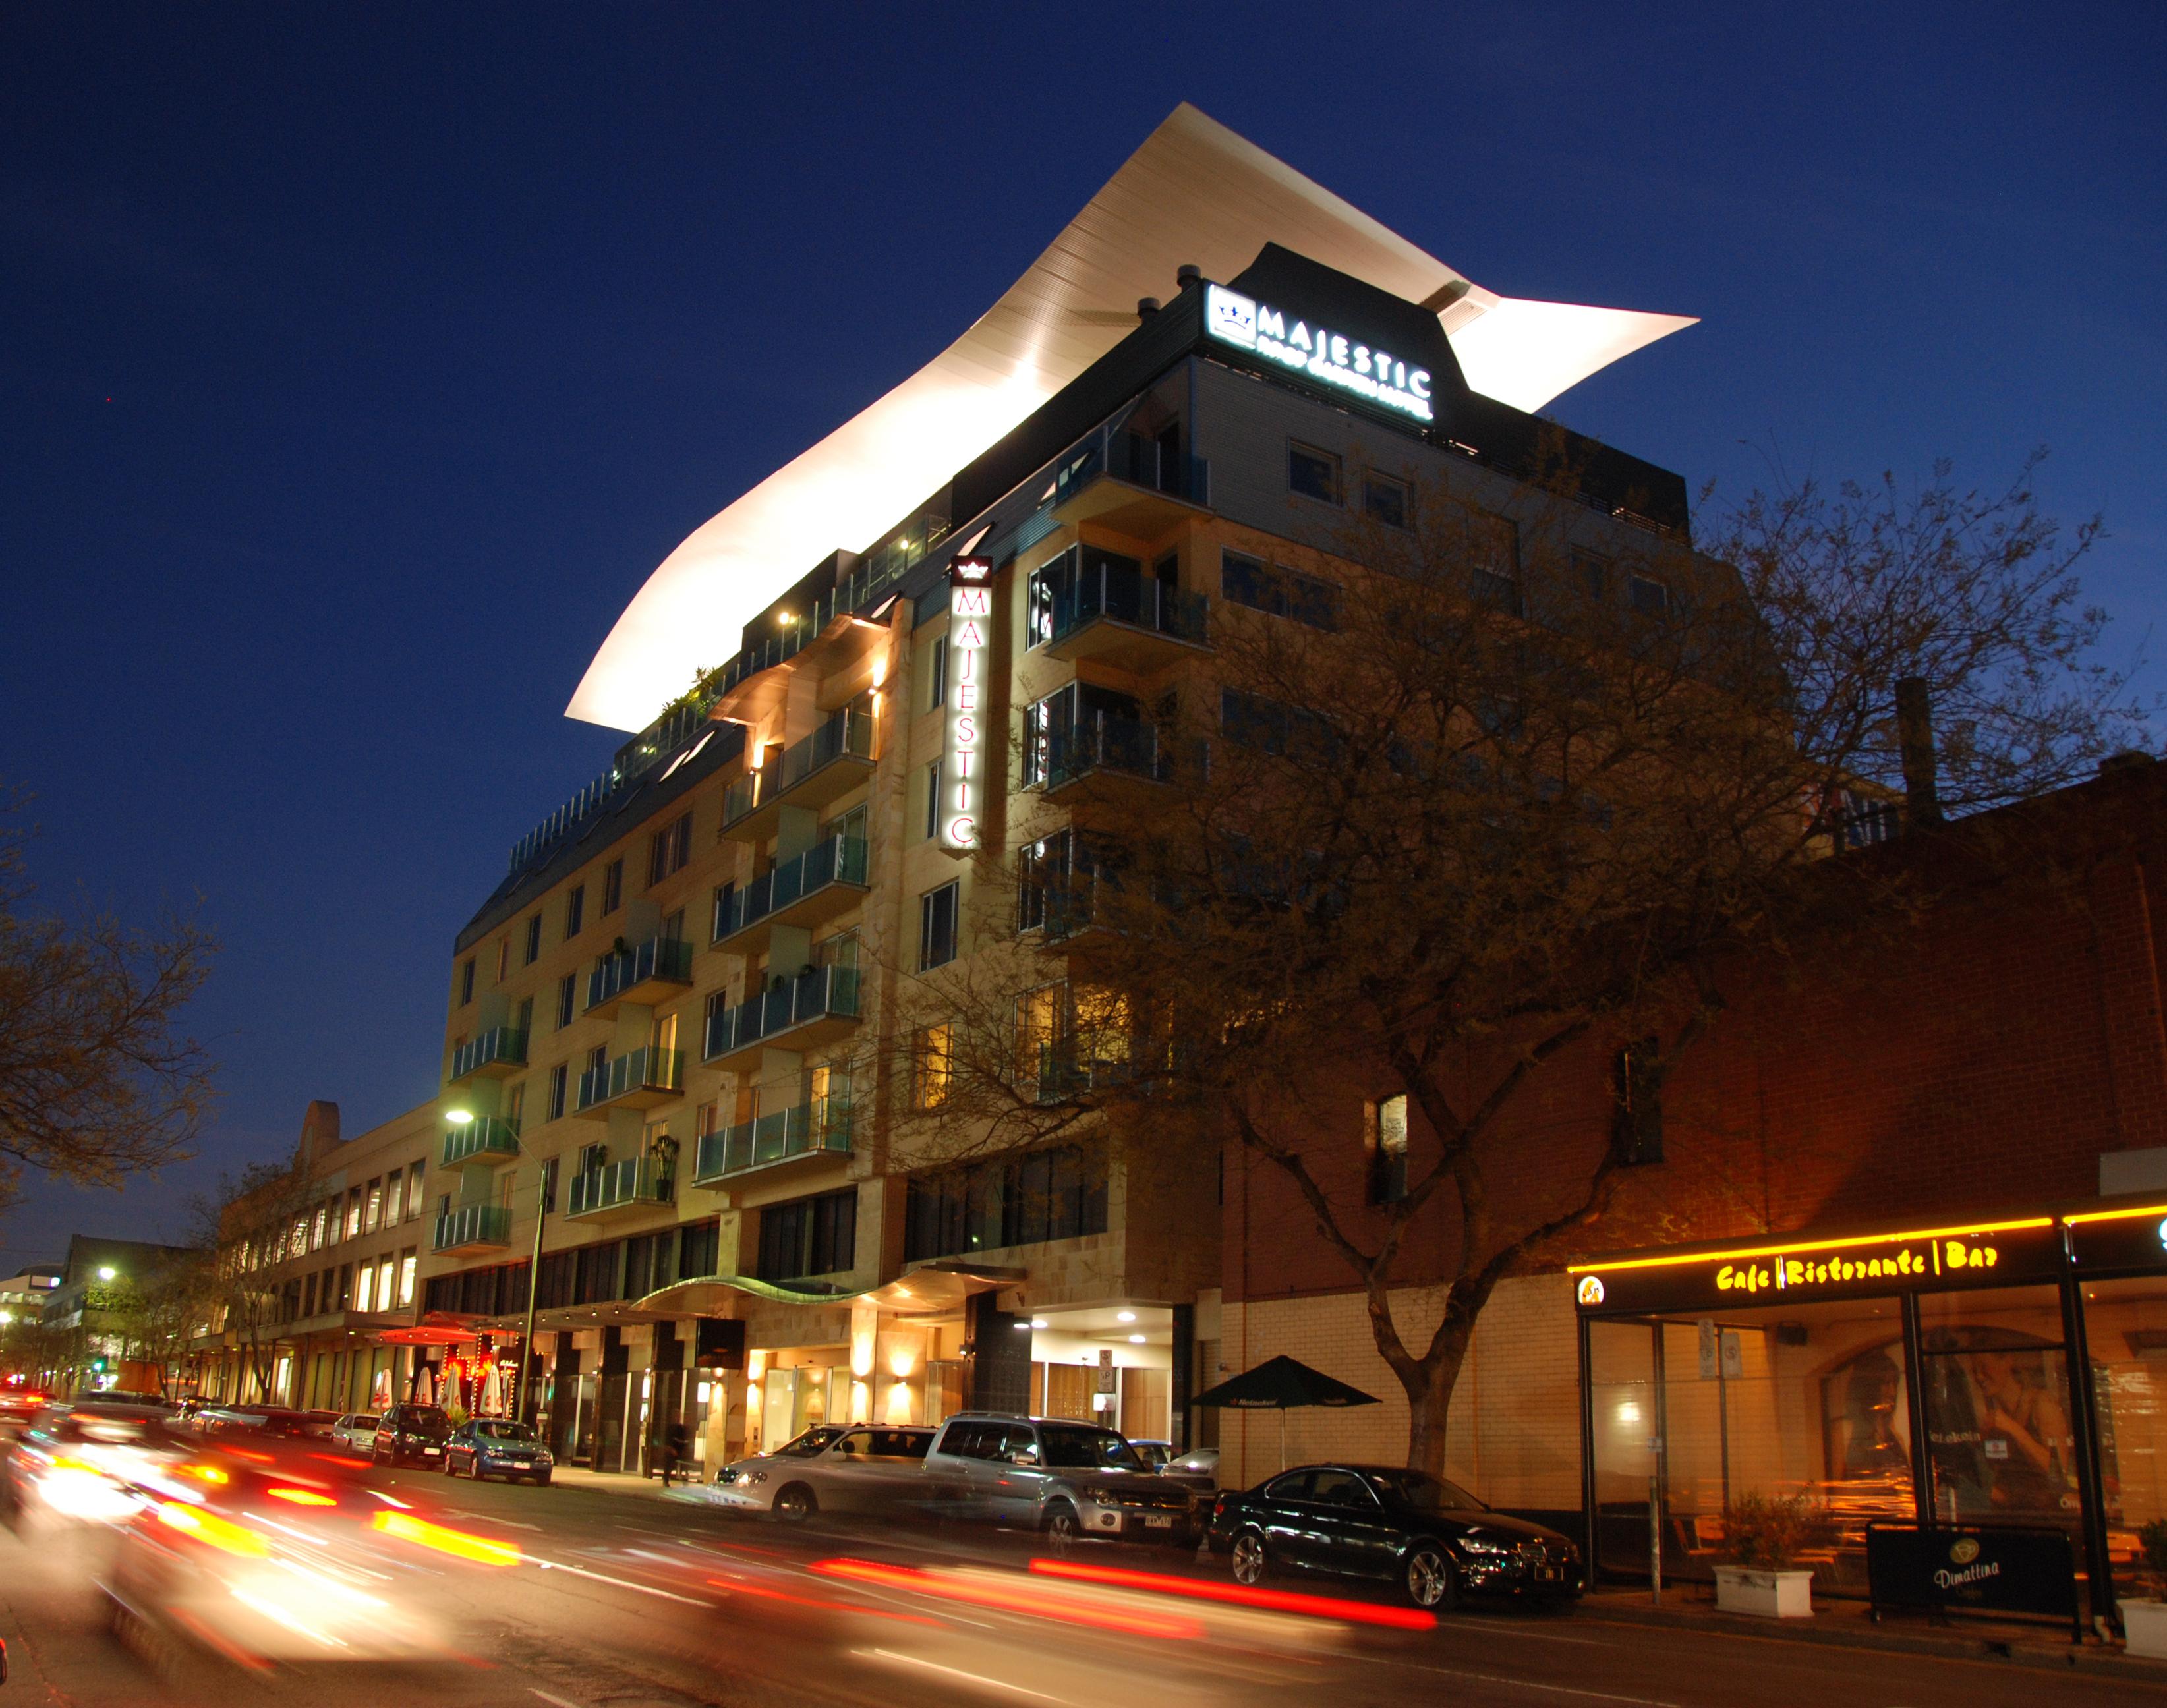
(1388, 1150)
(363, 1286)
(406, 1263)
(932, 1066)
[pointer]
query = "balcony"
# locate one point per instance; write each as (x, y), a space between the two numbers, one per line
(620, 1188)
(1133, 485)
(495, 1053)
(639, 1081)
(816, 1007)
(1103, 748)
(827, 880)
(486, 1138)
(819, 1127)
(813, 773)
(1118, 616)
(472, 1227)
(646, 972)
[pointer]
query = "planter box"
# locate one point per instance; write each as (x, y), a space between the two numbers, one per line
(1767, 1595)
(2144, 1628)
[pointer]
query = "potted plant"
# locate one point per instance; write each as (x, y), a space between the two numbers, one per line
(1762, 1537)
(2144, 1618)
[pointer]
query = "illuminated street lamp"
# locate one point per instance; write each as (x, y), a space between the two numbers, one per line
(106, 1272)
(458, 1117)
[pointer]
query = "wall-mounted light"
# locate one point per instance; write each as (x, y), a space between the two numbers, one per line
(106, 1272)
(1136, 1340)
(1125, 1316)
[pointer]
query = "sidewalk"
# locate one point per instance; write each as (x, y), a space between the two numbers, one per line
(1850, 1625)
(625, 1482)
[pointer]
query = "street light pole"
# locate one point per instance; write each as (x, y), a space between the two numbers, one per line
(543, 1181)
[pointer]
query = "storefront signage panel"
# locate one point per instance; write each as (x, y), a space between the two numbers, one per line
(1330, 357)
(1974, 1570)
(2104, 1240)
(1772, 1274)
(964, 755)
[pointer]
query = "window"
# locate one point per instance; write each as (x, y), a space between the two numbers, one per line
(936, 926)
(1494, 555)
(1384, 500)
(568, 999)
(414, 1189)
(503, 958)
(466, 981)
(406, 1266)
(1042, 880)
(1636, 1131)
(592, 1158)
(810, 1236)
(316, 1230)
(932, 824)
(1387, 1122)
(699, 1245)
(1055, 1193)
(558, 1075)
(364, 1289)
(1591, 572)
(706, 1116)
(345, 1287)
(309, 1295)
(523, 1017)
(1041, 1016)
(1312, 473)
(386, 1268)
(1283, 592)
(353, 1212)
(936, 673)
(533, 941)
(1650, 597)
(612, 886)
(670, 848)
(575, 910)
(932, 1066)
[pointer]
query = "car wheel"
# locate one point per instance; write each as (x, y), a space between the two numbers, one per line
(376, 1456)
(795, 1503)
(541, 1482)
(1252, 1560)
(1427, 1578)
(1062, 1526)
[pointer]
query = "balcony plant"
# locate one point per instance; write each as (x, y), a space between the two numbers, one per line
(2144, 1617)
(1763, 1536)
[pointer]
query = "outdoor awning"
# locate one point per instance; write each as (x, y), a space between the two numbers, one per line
(928, 1289)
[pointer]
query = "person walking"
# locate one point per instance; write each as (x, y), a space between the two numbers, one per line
(674, 1448)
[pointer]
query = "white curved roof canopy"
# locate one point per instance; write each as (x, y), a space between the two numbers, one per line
(1194, 191)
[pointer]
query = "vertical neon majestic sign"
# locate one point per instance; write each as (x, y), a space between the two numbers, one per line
(963, 757)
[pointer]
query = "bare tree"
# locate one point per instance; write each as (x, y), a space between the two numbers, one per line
(1452, 806)
(237, 1290)
(96, 1080)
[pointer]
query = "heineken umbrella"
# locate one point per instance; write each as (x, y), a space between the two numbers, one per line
(1280, 1384)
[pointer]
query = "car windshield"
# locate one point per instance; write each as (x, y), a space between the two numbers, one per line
(504, 1429)
(805, 1445)
(1423, 1492)
(425, 1421)
(362, 1423)
(1074, 1449)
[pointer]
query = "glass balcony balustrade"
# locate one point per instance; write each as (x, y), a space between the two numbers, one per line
(819, 1127)
(501, 1050)
(636, 1183)
(486, 1138)
(640, 969)
(645, 1077)
(820, 994)
(791, 890)
(1105, 744)
(471, 1226)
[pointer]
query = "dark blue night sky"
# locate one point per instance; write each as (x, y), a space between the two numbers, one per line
(360, 362)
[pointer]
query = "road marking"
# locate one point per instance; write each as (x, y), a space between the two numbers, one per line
(958, 1673)
(1523, 1684)
(559, 1700)
(622, 1582)
(490, 1517)
(1520, 1631)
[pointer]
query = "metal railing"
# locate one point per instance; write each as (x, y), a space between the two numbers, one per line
(500, 1043)
(845, 733)
(472, 1224)
(819, 1126)
(637, 1179)
(1104, 591)
(825, 992)
(669, 958)
(486, 1136)
(839, 860)
(646, 1069)
(1103, 743)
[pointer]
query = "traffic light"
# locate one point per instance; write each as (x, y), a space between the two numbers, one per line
(97, 1366)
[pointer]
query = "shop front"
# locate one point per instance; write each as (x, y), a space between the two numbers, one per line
(1899, 1383)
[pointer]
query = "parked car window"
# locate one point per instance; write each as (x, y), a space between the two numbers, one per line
(1341, 1489)
(1423, 1492)
(975, 1440)
(503, 1430)
(426, 1421)
(1075, 1448)
(1294, 1486)
(1019, 1441)
(900, 1444)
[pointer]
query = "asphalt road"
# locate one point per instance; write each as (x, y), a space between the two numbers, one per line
(617, 1602)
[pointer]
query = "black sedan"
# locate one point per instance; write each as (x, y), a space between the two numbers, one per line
(1430, 1538)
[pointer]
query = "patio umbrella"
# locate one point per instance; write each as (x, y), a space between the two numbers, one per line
(1280, 1384)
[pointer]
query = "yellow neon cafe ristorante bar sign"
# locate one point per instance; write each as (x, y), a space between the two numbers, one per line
(2023, 1248)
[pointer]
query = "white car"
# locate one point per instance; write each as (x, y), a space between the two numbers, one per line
(867, 1468)
(357, 1429)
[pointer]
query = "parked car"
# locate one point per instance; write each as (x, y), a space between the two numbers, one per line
(496, 1447)
(356, 1430)
(1430, 1538)
(1199, 1468)
(801, 1446)
(865, 1468)
(128, 1396)
(1154, 1454)
(321, 1423)
(411, 1435)
(255, 1420)
(1067, 1479)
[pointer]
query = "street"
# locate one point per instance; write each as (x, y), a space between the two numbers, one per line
(590, 1598)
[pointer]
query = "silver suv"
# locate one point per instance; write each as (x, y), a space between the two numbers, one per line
(1067, 1479)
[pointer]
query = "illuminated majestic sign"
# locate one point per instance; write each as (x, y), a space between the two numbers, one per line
(964, 755)
(1318, 351)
